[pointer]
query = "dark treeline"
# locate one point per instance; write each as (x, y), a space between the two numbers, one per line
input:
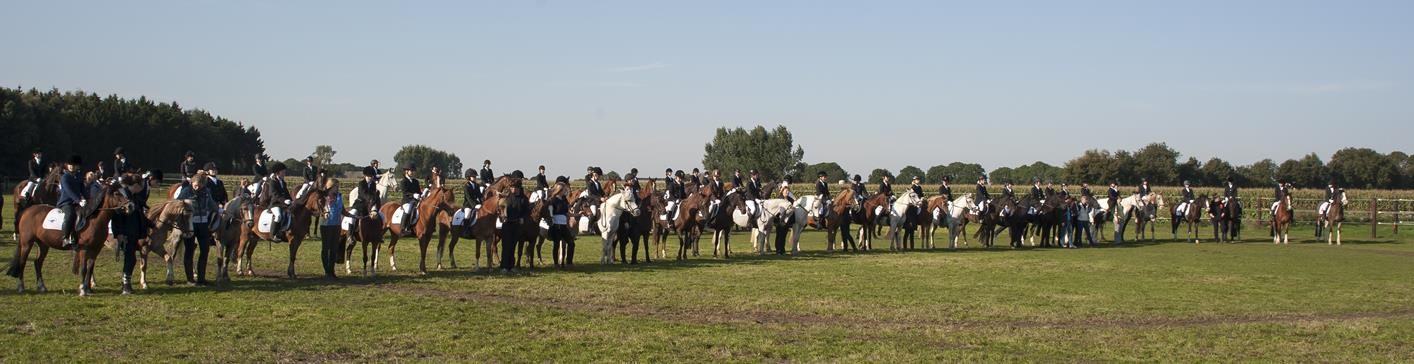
(154, 135)
(1162, 165)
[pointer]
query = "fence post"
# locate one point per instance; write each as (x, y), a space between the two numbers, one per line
(1374, 218)
(1398, 209)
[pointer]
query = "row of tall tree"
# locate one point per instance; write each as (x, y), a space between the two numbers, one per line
(153, 134)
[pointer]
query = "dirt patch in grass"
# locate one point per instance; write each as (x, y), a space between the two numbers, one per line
(708, 316)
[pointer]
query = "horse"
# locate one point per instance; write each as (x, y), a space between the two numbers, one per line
(686, 223)
(1015, 222)
(434, 217)
(720, 218)
(640, 228)
(228, 236)
(1149, 216)
(89, 242)
(777, 213)
(842, 207)
(1192, 217)
(369, 232)
(1334, 218)
(953, 214)
(868, 217)
(301, 211)
(1281, 223)
(165, 217)
(612, 211)
(903, 209)
(1123, 209)
(47, 193)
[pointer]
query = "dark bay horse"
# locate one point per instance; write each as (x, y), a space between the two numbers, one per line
(90, 240)
(1190, 218)
(301, 211)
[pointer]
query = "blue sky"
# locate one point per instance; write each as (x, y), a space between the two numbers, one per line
(643, 83)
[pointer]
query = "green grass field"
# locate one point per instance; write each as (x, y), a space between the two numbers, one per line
(1169, 301)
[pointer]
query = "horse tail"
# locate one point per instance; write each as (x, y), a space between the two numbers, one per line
(15, 269)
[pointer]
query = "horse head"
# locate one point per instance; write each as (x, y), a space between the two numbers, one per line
(626, 202)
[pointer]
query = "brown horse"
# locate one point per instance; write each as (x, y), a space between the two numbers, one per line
(484, 230)
(1191, 218)
(1335, 216)
(686, 223)
(46, 194)
(840, 210)
(90, 239)
(868, 218)
(1281, 223)
(301, 211)
(369, 232)
(433, 217)
(228, 237)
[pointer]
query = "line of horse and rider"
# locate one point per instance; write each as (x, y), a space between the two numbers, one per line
(60, 206)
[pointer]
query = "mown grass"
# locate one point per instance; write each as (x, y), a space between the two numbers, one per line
(1166, 301)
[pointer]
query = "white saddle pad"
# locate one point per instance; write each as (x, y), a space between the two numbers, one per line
(584, 224)
(398, 215)
(54, 220)
(878, 210)
(177, 192)
(267, 219)
(544, 225)
(346, 223)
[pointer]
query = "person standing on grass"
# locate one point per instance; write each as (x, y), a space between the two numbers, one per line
(203, 212)
(559, 223)
(329, 228)
(516, 212)
(1085, 231)
(131, 226)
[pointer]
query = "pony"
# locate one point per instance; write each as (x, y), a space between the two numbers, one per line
(954, 214)
(166, 217)
(612, 211)
(840, 210)
(1124, 209)
(301, 211)
(903, 209)
(1334, 218)
(434, 217)
(720, 218)
(686, 223)
(47, 193)
(783, 217)
(90, 238)
(868, 217)
(369, 232)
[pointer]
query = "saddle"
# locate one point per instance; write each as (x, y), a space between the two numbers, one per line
(266, 222)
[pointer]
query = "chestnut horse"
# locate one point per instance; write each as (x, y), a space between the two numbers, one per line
(165, 217)
(90, 238)
(686, 223)
(370, 231)
(484, 230)
(433, 217)
(301, 211)
(843, 205)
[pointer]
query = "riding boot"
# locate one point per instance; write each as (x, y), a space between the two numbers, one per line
(68, 227)
(127, 284)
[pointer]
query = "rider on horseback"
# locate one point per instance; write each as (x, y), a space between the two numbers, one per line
(411, 194)
(1282, 191)
(1114, 196)
(276, 197)
(886, 187)
(1187, 200)
(72, 193)
(822, 194)
(1037, 194)
(37, 172)
(677, 191)
(593, 194)
(487, 176)
(366, 203)
(916, 187)
(857, 185)
(1144, 189)
(982, 196)
(1332, 194)
(753, 196)
(472, 202)
(120, 162)
(188, 166)
(542, 188)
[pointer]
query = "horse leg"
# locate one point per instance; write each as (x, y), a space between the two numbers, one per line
(39, 268)
(422, 244)
(1337, 232)
(294, 252)
(392, 252)
(452, 250)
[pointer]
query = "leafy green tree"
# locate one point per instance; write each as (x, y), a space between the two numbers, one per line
(1260, 173)
(773, 153)
(1191, 170)
(1363, 168)
(1308, 172)
(323, 155)
(907, 173)
(833, 171)
(877, 175)
(423, 157)
(1001, 174)
(1215, 172)
(1158, 163)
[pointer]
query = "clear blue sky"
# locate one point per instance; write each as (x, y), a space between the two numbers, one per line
(644, 83)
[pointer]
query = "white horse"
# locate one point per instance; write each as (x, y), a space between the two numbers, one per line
(774, 210)
(1127, 206)
(897, 218)
(955, 218)
(387, 184)
(610, 212)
